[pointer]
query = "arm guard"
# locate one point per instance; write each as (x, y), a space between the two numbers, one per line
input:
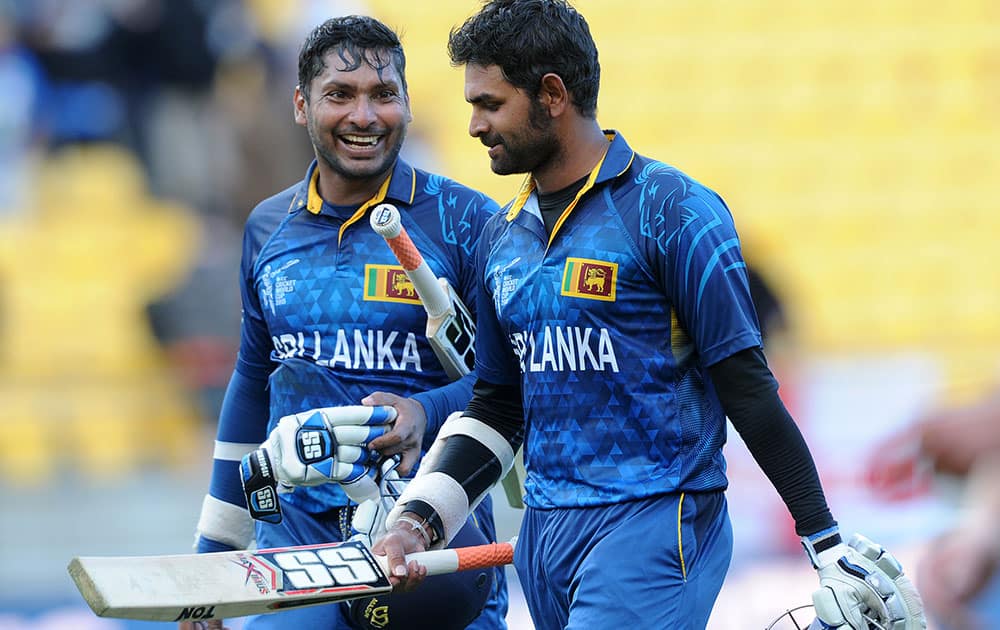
(467, 459)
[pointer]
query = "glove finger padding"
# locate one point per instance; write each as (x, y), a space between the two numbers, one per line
(839, 604)
(861, 581)
(323, 445)
(906, 604)
(369, 518)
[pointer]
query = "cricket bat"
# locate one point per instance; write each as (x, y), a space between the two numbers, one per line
(231, 584)
(450, 329)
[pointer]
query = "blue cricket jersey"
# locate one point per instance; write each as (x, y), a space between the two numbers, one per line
(610, 324)
(329, 315)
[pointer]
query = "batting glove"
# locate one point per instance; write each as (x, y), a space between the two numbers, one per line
(323, 445)
(861, 583)
(368, 522)
(312, 448)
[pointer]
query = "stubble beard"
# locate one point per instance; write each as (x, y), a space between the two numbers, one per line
(535, 146)
(364, 170)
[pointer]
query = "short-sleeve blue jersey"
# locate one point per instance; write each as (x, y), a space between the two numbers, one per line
(609, 324)
(329, 315)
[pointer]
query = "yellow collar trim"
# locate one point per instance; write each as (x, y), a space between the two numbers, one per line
(590, 184)
(315, 202)
(528, 187)
(377, 199)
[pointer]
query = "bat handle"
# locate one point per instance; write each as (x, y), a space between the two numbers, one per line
(385, 221)
(442, 561)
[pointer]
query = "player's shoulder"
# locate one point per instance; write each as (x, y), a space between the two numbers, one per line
(455, 194)
(660, 184)
(269, 213)
(649, 172)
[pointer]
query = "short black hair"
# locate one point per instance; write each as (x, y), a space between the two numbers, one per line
(358, 39)
(528, 39)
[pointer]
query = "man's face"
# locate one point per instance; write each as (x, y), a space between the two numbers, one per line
(515, 127)
(356, 119)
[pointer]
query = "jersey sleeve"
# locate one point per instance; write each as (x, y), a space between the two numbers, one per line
(496, 362)
(255, 341)
(438, 403)
(704, 272)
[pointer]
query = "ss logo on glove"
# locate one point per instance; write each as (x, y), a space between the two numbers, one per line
(314, 445)
(312, 448)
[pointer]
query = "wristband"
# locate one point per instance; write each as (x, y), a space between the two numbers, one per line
(416, 526)
(432, 520)
(816, 546)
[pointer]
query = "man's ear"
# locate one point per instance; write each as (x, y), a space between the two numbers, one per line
(299, 103)
(553, 95)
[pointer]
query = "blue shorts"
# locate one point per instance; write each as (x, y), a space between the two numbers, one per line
(653, 563)
(302, 528)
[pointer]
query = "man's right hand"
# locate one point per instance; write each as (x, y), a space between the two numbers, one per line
(323, 445)
(211, 624)
(402, 538)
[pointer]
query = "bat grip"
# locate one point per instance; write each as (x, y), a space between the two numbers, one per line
(443, 561)
(385, 221)
(435, 299)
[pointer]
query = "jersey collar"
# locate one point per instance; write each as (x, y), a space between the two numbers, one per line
(400, 186)
(615, 162)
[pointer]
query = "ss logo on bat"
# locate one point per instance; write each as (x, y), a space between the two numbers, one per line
(335, 566)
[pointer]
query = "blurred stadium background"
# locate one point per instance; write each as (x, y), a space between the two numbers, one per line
(856, 143)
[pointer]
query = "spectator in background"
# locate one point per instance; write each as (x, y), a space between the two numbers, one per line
(958, 575)
(21, 82)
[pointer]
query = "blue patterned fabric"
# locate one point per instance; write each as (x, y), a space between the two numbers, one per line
(610, 325)
(328, 318)
(318, 322)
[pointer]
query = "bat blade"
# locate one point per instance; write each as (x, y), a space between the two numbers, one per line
(239, 583)
(227, 584)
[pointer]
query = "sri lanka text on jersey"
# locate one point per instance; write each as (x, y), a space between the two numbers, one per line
(565, 348)
(362, 349)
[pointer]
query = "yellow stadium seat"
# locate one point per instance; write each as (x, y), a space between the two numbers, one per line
(29, 453)
(863, 160)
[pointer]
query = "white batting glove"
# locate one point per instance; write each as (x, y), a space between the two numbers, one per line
(369, 518)
(329, 444)
(861, 582)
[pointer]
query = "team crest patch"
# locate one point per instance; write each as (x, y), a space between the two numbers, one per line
(388, 283)
(592, 279)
